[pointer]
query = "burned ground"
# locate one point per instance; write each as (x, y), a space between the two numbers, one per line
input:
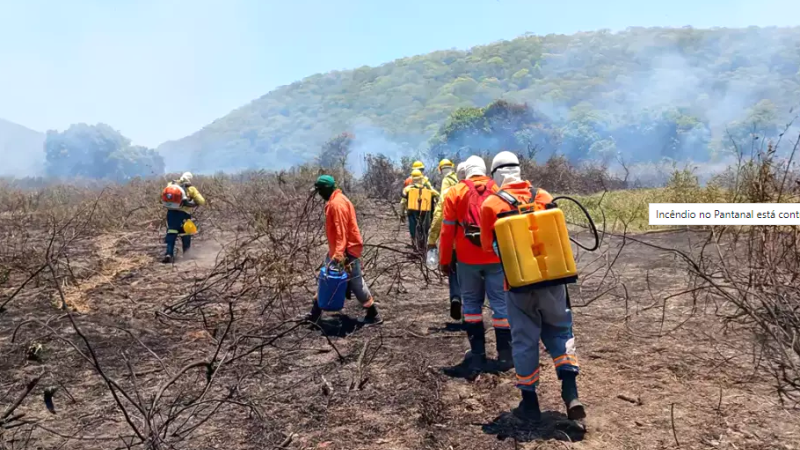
(206, 353)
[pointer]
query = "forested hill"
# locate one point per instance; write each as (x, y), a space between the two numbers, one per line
(701, 80)
(21, 149)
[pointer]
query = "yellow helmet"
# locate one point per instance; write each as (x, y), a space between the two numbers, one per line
(445, 163)
(189, 227)
(416, 173)
(418, 165)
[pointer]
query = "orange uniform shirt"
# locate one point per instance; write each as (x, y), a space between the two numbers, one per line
(454, 212)
(495, 205)
(341, 227)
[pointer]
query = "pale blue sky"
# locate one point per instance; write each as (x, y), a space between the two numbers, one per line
(162, 69)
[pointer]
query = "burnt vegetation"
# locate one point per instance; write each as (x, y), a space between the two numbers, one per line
(102, 347)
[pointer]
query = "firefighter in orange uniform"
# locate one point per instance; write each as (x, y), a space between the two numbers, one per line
(345, 246)
(538, 313)
(480, 274)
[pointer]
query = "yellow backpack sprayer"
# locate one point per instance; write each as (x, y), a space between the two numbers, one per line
(420, 199)
(533, 243)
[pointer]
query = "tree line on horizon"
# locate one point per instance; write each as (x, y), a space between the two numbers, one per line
(645, 93)
(641, 95)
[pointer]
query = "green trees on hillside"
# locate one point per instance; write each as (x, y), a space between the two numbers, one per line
(334, 153)
(643, 94)
(98, 151)
(500, 126)
(586, 135)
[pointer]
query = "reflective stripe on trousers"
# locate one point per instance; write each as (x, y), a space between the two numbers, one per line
(540, 314)
(175, 220)
(477, 282)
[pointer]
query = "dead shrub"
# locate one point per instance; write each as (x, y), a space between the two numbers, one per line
(752, 273)
(559, 175)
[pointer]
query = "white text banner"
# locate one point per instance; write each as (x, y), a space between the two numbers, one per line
(724, 213)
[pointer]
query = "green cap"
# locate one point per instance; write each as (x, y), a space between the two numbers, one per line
(325, 181)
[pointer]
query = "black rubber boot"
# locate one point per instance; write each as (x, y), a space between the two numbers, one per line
(569, 393)
(528, 409)
(477, 345)
(455, 308)
(505, 358)
(168, 259)
(475, 359)
(372, 317)
(314, 315)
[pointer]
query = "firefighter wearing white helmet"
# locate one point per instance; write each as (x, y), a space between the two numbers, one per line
(542, 313)
(449, 179)
(180, 198)
(480, 274)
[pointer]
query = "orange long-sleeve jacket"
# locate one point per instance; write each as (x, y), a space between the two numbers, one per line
(341, 227)
(454, 213)
(495, 205)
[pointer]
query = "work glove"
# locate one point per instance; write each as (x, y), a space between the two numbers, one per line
(445, 269)
(190, 203)
(402, 218)
(339, 260)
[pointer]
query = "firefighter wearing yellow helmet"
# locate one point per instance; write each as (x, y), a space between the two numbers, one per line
(446, 163)
(418, 165)
(418, 201)
(449, 179)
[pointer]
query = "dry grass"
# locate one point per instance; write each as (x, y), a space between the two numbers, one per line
(207, 354)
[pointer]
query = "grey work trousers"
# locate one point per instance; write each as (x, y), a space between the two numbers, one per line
(540, 314)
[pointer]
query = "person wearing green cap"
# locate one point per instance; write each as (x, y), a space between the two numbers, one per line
(345, 246)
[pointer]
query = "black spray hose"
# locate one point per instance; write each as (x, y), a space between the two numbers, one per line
(592, 227)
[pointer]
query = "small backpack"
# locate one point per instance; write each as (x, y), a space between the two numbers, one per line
(172, 196)
(475, 197)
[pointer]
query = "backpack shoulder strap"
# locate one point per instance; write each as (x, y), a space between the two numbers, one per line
(535, 193)
(470, 184)
(508, 198)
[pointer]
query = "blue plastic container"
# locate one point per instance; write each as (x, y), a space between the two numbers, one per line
(331, 289)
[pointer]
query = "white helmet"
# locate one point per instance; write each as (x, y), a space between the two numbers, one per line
(475, 165)
(186, 177)
(505, 168)
(504, 159)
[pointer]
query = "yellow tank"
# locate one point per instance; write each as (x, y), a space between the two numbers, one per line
(535, 248)
(420, 199)
(189, 227)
